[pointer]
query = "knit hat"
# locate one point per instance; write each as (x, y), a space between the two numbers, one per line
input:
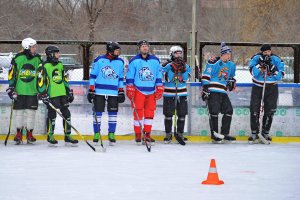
(224, 49)
(265, 47)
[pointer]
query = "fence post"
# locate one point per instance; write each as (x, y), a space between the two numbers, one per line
(296, 63)
(86, 61)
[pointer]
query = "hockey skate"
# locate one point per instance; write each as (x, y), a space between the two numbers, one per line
(18, 137)
(267, 137)
(179, 138)
(111, 138)
(150, 140)
(253, 138)
(96, 137)
(138, 138)
(216, 140)
(30, 138)
(70, 140)
(51, 140)
(168, 138)
(229, 139)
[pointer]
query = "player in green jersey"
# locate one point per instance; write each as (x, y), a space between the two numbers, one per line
(22, 88)
(53, 87)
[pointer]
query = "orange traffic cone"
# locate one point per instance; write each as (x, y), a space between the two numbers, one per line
(212, 177)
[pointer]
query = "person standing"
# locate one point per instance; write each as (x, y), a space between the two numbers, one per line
(22, 88)
(267, 69)
(106, 85)
(217, 79)
(53, 87)
(175, 94)
(144, 87)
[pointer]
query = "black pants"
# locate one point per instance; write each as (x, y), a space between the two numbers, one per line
(112, 103)
(61, 103)
(26, 102)
(169, 111)
(270, 106)
(220, 103)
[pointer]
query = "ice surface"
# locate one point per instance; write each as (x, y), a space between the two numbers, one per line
(128, 172)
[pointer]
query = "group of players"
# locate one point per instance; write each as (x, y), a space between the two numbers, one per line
(31, 79)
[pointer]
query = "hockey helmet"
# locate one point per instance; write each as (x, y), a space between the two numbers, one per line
(27, 43)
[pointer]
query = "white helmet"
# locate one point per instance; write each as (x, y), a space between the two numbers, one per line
(28, 42)
(175, 49)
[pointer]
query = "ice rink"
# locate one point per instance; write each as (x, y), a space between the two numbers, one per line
(128, 172)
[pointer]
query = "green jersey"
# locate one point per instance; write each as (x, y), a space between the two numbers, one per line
(52, 80)
(23, 72)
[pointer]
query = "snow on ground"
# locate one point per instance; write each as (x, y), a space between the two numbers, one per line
(128, 172)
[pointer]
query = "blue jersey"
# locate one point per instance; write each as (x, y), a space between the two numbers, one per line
(107, 75)
(258, 75)
(216, 75)
(144, 74)
(170, 82)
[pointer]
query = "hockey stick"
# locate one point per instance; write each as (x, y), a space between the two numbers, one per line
(10, 122)
(58, 112)
(95, 117)
(261, 112)
(141, 127)
(217, 135)
(177, 137)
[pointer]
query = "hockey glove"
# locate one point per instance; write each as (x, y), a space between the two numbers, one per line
(130, 92)
(44, 97)
(121, 96)
(11, 93)
(272, 69)
(159, 92)
(71, 96)
(91, 94)
(205, 93)
(231, 84)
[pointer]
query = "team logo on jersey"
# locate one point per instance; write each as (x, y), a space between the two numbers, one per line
(27, 73)
(57, 76)
(223, 74)
(145, 74)
(109, 73)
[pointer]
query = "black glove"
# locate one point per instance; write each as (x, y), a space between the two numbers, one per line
(231, 84)
(44, 97)
(71, 96)
(205, 93)
(11, 93)
(91, 95)
(121, 95)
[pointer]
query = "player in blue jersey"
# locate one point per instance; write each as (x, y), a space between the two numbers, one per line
(176, 75)
(217, 79)
(106, 85)
(143, 87)
(273, 66)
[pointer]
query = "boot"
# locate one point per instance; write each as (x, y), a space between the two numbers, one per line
(30, 138)
(69, 139)
(179, 137)
(168, 138)
(216, 140)
(51, 139)
(18, 137)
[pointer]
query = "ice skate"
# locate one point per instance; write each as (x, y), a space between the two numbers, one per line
(70, 140)
(111, 139)
(168, 138)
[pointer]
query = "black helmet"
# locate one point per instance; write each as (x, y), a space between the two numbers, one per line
(50, 51)
(112, 46)
(142, 42)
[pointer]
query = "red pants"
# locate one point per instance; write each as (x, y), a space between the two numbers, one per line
(145, 107)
